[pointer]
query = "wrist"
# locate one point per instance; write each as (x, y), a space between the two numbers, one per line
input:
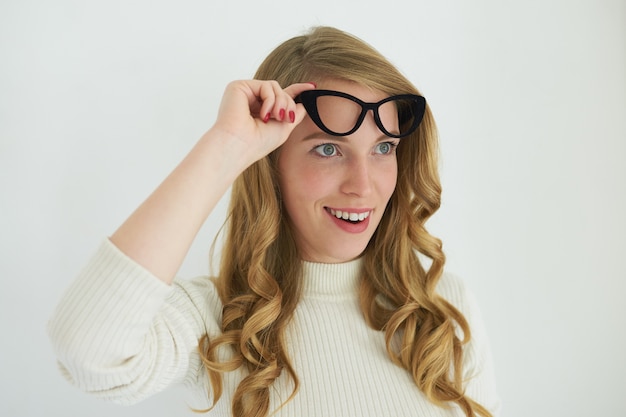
(226, 151)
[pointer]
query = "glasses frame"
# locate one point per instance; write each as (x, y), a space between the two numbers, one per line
(309, 101)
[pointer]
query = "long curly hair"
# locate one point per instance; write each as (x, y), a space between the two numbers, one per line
(260, 265)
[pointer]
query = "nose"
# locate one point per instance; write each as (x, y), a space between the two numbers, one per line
(357, 179)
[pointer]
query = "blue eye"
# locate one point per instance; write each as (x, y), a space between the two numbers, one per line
(385, 148)
(327, 149)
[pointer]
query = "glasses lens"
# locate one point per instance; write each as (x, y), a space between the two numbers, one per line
(338, 114)
(399, 116)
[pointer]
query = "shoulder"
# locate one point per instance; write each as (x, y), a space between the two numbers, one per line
(454, 290)
(201, 286)
(198, 296)
(194, 309)
(478, 369)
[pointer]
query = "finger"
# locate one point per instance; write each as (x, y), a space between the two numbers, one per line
(270, 95)
(282, 106)
(295, 89)
(294, 114)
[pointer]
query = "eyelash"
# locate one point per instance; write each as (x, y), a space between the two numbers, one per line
(392, 146)
(317, 149)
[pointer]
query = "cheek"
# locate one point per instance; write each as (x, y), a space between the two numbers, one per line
(310, 183)
(300, 185)
(388, 180)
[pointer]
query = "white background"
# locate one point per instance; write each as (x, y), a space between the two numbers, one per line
(100, 100)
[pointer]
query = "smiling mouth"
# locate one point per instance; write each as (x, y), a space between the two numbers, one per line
(348, 216)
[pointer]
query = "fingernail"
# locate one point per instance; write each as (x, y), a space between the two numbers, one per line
(314, 85)
(292, 116)
(266, 118)
(281, 114)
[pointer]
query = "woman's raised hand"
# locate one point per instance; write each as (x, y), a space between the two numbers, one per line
(257, 116)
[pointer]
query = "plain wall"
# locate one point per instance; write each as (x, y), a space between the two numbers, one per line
(100, 100)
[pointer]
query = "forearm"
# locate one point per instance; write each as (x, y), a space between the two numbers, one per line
(161, 230)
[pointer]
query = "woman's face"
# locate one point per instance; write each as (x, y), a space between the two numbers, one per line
(325, 179)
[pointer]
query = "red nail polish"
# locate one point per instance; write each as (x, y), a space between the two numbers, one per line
(281, 114)
(266, 118)
(292, 116)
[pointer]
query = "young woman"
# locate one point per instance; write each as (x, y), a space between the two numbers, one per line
(323, 305)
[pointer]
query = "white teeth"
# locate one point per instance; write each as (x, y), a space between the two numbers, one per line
(349, 216)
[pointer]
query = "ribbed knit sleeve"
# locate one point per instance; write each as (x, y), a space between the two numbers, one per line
(122, 334)
(478, 368)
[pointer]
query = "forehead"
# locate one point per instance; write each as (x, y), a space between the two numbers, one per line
(360, 91)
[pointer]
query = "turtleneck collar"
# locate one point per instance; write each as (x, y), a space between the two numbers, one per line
(331, 280)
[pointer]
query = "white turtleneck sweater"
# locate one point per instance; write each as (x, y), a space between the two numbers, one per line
(122, 334)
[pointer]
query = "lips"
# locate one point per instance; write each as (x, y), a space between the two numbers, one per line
(350, 220)
(349, 215)
(354, 215)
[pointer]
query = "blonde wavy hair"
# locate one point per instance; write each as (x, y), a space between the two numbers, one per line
(258, 280)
